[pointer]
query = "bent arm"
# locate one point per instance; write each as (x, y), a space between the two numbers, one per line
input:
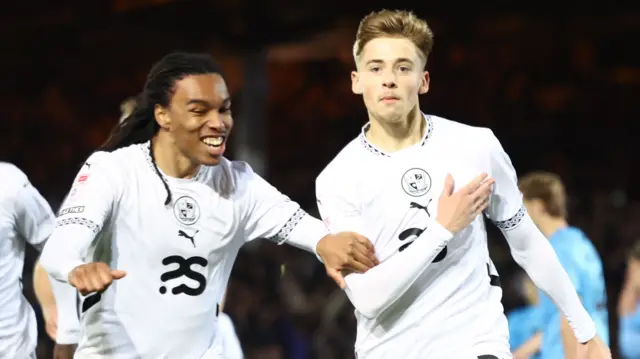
(272, 215)
(371, 293)
(85, 210)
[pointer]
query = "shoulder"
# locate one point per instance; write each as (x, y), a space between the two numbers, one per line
(13, 181)
(343, 165)
(103, 159)
(12, 178)
(118, 162)
(233, 178)
(477, 137)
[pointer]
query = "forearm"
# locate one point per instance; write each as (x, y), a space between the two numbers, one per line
(374, 291)
(65, 250)
(305, 234)
(42, 287)
(532, 251)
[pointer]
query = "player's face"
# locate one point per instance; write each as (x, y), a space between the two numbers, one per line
(199, 118)
(390, 77)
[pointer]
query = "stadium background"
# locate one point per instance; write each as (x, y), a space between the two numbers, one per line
(560, 89)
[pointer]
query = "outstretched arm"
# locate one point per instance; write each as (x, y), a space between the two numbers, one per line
(529, 247)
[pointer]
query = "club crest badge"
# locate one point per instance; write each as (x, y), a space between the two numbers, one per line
(416, 182)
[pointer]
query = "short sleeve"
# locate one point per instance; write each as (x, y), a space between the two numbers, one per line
(269, 214)
(87, 208)
(506, 208)
(337, 210)
(94, 192)
(34, 217)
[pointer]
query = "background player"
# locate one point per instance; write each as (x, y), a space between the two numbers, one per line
(546, 201)
(525, 337)
(436, 290)
(25, 217)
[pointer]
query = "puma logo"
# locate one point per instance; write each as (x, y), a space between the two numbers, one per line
(182, 233)
(421, 207)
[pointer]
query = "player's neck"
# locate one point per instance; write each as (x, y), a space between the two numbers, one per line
(170, 160)
(391, 137)
(550, 225)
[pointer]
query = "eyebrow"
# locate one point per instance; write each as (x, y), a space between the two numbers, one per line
(225, 102)
(378, 61)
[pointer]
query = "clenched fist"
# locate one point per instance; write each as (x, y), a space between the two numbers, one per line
(93, 277)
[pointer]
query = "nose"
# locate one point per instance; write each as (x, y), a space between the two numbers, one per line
(215, 121)
(389, 79)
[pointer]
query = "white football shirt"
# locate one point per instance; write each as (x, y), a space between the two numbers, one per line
(453, 308)
(178, 257)
(68, 326)
(230, 342)
(25, 217)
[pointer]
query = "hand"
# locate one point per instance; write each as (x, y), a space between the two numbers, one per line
(457, 210)
(64, 351)
(50, 314)
(346, 251)
(93, 277)
(594, 349)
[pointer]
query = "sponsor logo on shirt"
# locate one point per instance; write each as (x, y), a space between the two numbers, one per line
(71, 210)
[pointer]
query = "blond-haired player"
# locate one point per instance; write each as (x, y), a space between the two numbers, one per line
(403, 184)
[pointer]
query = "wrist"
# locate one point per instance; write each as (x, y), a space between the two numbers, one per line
(319, 248)
(446, 226)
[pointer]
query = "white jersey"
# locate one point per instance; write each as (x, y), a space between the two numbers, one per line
(68, 328)
(453, 308)
(230, 342)
(25, 217)
(177, 256)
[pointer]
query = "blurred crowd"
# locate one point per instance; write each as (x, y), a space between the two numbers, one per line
(561, 94)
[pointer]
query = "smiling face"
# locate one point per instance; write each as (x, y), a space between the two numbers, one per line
(198, 117)
(390, 77)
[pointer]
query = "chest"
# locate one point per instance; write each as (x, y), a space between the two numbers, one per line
(197, 222)
(398, 199)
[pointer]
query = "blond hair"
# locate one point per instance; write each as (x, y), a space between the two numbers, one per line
(397, 23)
(548, 188)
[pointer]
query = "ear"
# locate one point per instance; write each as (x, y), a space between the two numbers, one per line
(162, 117)
(356, 87)
(424, 83)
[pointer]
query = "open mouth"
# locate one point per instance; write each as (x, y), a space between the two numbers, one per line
(213, 141)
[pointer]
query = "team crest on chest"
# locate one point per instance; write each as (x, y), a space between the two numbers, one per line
(416, 182)
(186, 210)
